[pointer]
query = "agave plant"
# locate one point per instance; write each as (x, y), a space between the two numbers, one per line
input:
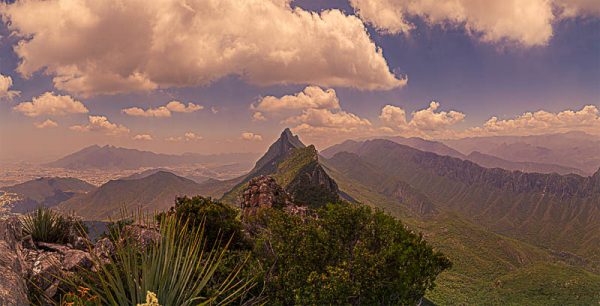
(45, 225)
(178, 269)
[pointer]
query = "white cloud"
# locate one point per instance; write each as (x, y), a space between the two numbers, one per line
(178, 107)
(45, 124)
(574, 8)
(586, 119)
(101, 124)
(163, 111)
(251, 136)
(144, 137)
(527, 22)
(214, 109)
(394, 116)
(429, 120)
(258, 116)
(5, 85)
(327, 118)
(188, 136)
(51, 104)
(145, 45)
(422, 121)
(314, 112)
(310, 97)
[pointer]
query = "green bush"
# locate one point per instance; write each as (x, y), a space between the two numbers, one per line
(347, 255)
(45, 225)
(219, 220)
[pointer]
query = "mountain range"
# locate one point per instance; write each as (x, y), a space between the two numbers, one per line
(46, 191)
(574, 149)
(153, 193)
(110, 157)
(482, 159)
(512, 235)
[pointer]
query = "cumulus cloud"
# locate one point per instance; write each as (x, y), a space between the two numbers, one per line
(258, 116)
(188, 136)
(327, 118)
(163, 111)
(145, 45)
(422, 121)
(574, 8)
(45, 124)
(586, 119)
(251, 136)
(311, 97)
(144, 137)
(314, 112)
(6, 83)
(51, 104)
(528, 23)
(102, 125)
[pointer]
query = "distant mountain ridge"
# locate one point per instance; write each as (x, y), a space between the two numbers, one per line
(573, 150)
(546, 209)
(110, 157)
(490, 161)
(482, 159)
(152, 193)
(46, 191)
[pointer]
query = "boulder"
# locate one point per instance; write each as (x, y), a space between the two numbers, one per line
(141, 235)
(76, 259)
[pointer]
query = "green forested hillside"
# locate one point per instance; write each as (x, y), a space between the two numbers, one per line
(491, 232)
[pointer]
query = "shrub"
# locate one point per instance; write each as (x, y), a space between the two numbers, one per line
(219, 220)
(348, 254)
(177, 269)
(45, 225)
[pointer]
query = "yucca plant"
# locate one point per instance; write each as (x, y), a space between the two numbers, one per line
(178, 269)
(45, 225)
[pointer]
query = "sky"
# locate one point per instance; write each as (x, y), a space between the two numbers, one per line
(176, 76)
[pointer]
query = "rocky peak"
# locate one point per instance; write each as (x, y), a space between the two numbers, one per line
(277, 151)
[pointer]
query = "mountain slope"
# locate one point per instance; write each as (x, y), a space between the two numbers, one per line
(46, 191)
(110, 157)
(427, 146)
(413, 142)
(156, 192)
(488, 268)
(296, 168)
(489, 161)
(574, 149)
(550, 210)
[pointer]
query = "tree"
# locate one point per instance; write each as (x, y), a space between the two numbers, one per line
(347, 254)
(221, 221)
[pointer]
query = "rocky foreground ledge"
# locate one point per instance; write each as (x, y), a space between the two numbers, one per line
(26, 264)
(13, 288)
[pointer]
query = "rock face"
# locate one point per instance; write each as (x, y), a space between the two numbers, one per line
(312, 186)
(13, 289)
(263, 192)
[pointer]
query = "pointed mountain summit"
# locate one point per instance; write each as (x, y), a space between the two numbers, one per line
(278, 150)
(296, 168)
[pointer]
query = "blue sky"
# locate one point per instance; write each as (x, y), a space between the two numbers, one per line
(443, 62)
